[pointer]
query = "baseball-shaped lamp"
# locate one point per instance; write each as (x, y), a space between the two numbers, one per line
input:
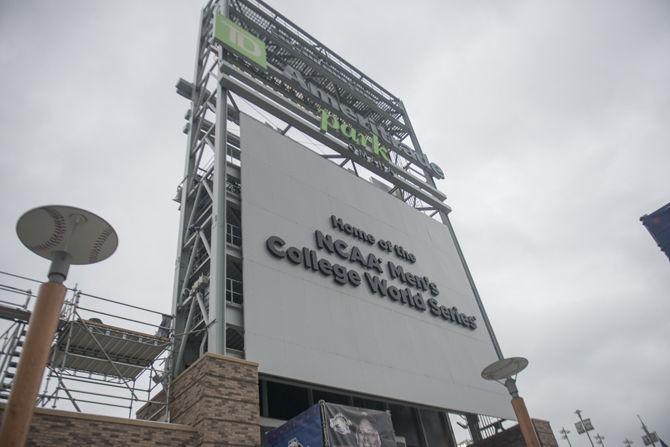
(64, 235)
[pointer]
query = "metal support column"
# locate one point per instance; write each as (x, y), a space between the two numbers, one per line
(201, 254)
(217, 274)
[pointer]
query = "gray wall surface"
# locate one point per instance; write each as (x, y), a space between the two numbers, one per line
(300, 324)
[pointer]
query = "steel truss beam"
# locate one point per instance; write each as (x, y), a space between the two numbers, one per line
(292, 46)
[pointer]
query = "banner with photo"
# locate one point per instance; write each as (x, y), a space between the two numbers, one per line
(357, 427)
(304, 430)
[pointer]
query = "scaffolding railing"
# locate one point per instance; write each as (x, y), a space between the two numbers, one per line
(490, 426)
(112, 367)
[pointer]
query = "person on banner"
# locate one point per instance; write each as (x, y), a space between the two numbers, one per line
(367, 436)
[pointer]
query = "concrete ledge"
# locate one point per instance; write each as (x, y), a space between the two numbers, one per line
(209, 355)
(230, 359)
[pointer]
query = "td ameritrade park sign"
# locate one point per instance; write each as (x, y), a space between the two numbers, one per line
(336, 117)
(410, 288)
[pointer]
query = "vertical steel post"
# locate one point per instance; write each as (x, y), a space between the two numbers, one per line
(217, 272)
(177, 325)
(423, 438)
(473, 427)
(451, 439)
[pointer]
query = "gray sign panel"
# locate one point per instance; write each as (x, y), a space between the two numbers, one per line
(358, 314)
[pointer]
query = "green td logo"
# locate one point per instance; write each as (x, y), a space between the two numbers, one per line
(239, 40)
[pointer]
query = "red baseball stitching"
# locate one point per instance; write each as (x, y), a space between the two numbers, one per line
(99, 242)
(59, 231)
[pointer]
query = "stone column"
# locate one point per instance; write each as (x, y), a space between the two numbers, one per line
(218, 396)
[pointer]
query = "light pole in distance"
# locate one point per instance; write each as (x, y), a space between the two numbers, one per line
(584, 426)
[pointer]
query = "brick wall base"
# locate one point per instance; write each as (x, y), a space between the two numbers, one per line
(51, 428)
(218, 396)
(512, 437)
(213, 403)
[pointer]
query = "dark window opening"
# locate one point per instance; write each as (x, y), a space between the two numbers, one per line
(369, 404)
(405, 424)
(286, 401)
(332, 398)
(437, 433)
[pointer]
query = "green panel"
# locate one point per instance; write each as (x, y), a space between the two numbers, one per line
(239, 40)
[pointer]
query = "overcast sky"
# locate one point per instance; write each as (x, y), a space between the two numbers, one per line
(551, 121)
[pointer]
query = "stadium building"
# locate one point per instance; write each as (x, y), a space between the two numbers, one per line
(316, 262)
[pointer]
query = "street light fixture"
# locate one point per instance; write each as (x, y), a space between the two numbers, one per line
(564, 435)
(66, 236)
(584, 426)
(508, 369)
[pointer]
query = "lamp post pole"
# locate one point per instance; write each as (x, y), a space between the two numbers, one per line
(34, 355)
(507, 369)
(522, 416)
(599, 439)
(564, 435)
(650, 436)
(579, 414)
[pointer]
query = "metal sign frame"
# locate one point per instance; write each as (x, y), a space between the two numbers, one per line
(204, 318)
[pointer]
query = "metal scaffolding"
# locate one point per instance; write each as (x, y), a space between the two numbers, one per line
(91, 364)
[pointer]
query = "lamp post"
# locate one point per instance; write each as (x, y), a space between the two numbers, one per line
(564, 435)
(627, 442)
(65, 236)
(599, 439)
(648, 438)
(508, 369)
(584, 426)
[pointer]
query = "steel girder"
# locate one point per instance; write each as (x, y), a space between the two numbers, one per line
(200, 263)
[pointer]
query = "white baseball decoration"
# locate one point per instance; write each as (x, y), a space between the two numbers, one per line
(84, 236)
